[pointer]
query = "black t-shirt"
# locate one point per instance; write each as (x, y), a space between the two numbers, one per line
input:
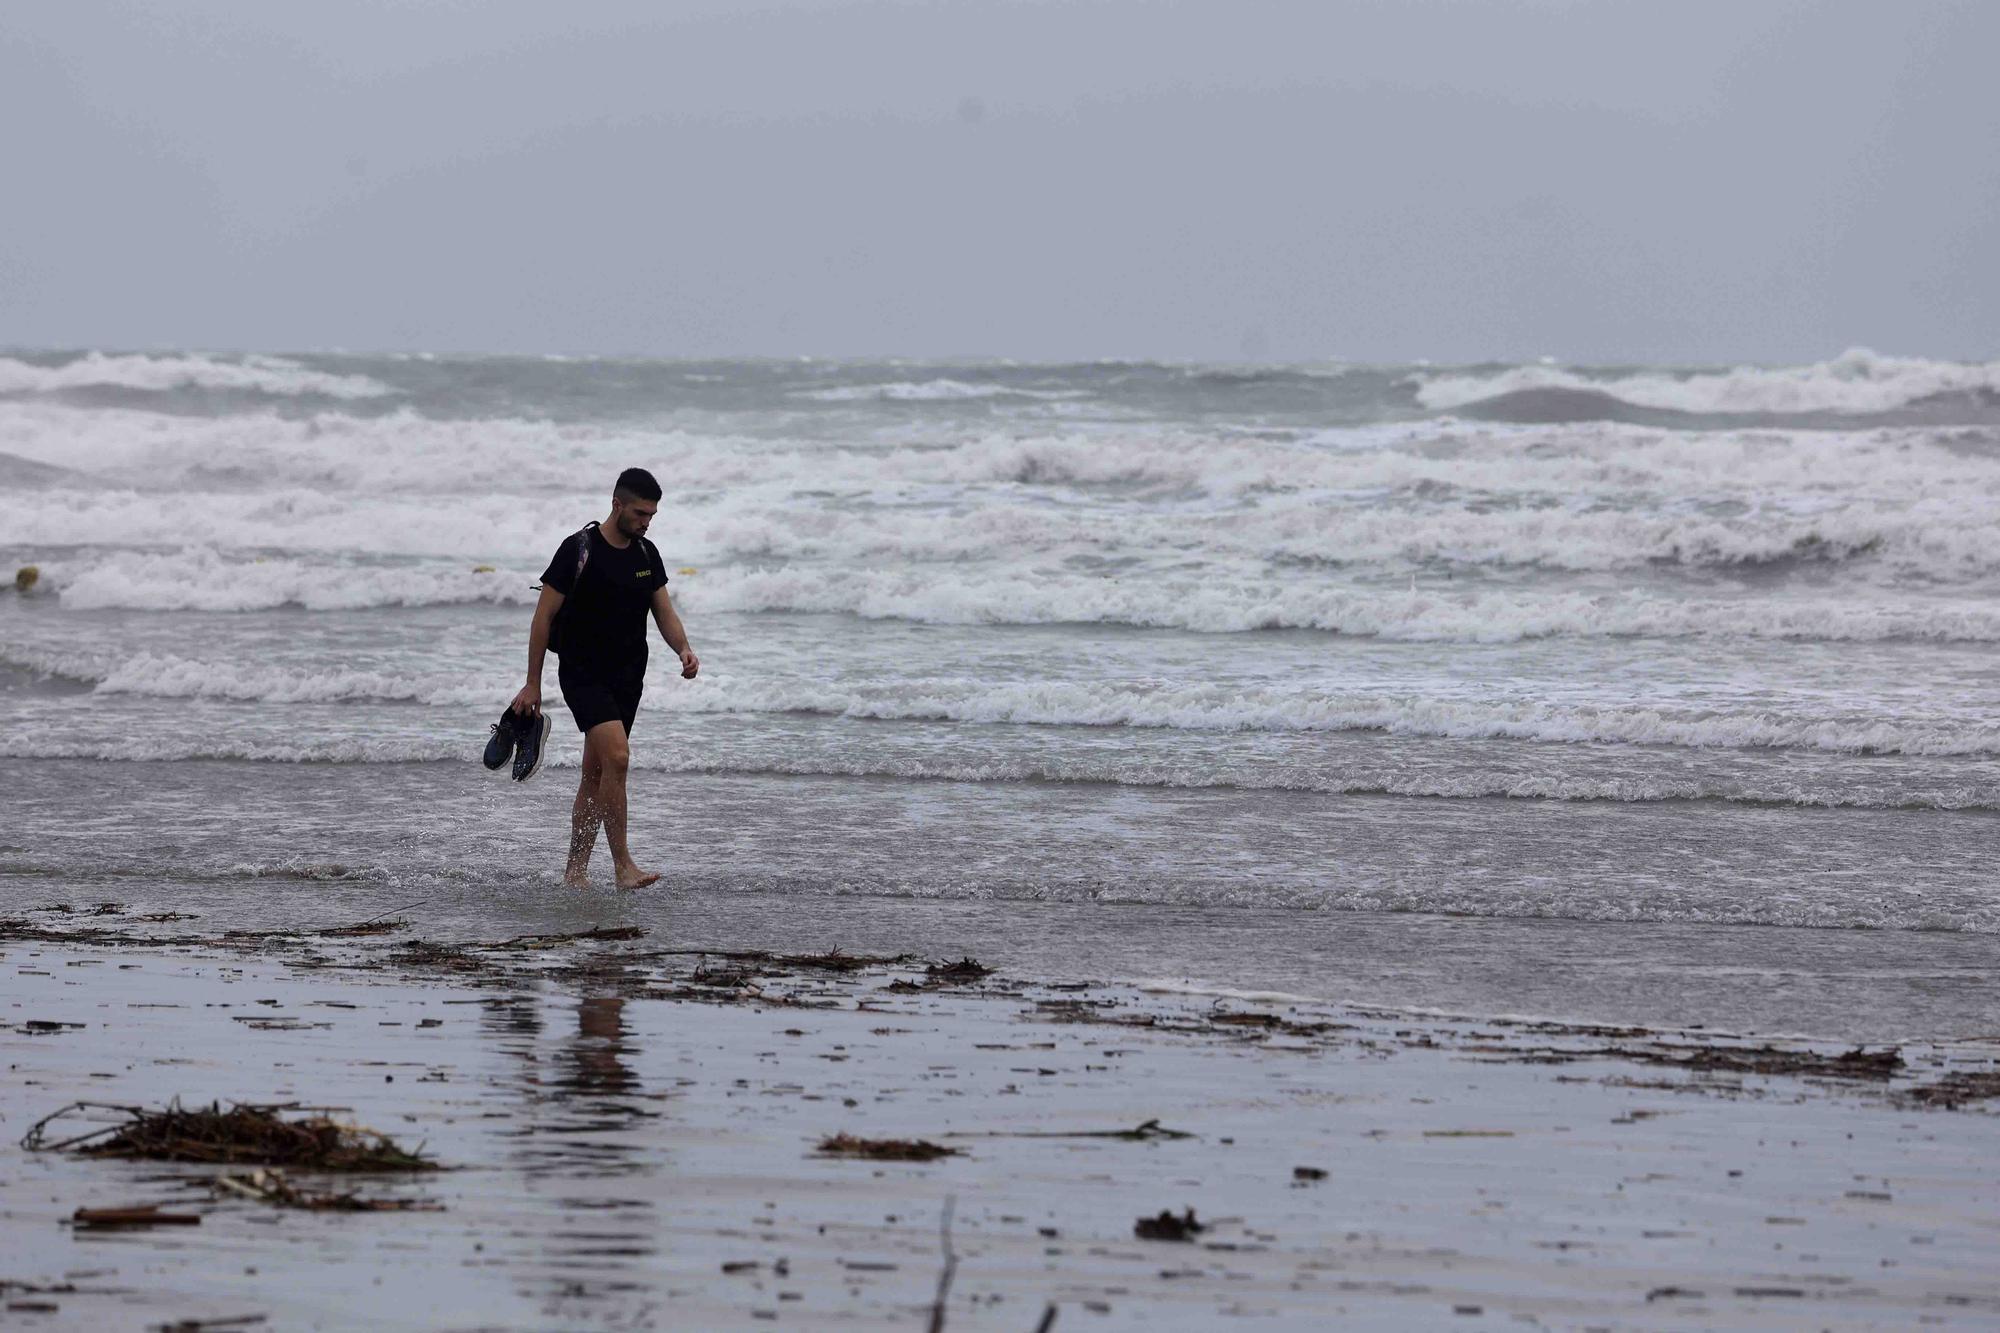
(604, 612)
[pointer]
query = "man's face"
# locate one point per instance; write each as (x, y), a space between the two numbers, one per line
(633, 516)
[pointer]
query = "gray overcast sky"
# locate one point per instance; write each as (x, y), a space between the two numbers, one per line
(1264, 179)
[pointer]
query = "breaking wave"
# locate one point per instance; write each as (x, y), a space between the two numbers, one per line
(930, 391)
(1222, 606)
(1223, 707)
(189, 370)
(1219, 602)
(1856, 382)
(404, 454)
(205, 580)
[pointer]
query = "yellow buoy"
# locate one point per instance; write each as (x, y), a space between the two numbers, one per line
(27, 577)
(482, 569)
(688, 569)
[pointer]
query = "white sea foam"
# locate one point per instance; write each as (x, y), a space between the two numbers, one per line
(1856, 381)
(205, 580)
(1447, 464)
(1233, 707)
(1944, 539)
(1224, 600)
(257, 374)
(929, 391)
(1221, 606)
(1147, 704)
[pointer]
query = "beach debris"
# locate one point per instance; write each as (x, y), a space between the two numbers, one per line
(833, 960)
(210, 1325)
(274, 1187)
(938, 974)
(23, 930)
(1168, 1227)
(721, 977)
(965, 969)
(885, 1150)
(1308, 1174)
(1955, 1089)
(950, 1268)
(26, 577)
(241, 1134)
(544, 941)
(1858, 1063)
(1048, 1318)
(357, 930)
(135, 1215)
(428, 953)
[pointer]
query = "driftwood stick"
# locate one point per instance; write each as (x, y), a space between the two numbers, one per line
(950, 1265)
(32, 1140)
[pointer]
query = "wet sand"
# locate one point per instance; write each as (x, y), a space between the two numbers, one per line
(631, 1140)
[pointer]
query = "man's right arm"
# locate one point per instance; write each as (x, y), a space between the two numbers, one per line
(529, 700)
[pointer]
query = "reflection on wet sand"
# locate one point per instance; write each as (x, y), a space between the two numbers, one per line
(594, 1061)
(578, 1120)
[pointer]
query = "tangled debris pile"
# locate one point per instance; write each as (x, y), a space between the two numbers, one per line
(885, 1150)
(1168, 1227)
(1957, 1088)
(240, 1134)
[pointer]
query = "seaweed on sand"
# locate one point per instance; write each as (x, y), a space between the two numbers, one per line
(885, 1150)
(213, 1135)
(1166, 1226)
(965, 969)
(1955, 1089)
(941, 974)
(359, 929)
(833, 960)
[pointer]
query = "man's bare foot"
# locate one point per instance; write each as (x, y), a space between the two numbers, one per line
(577, 876)
(631, 877)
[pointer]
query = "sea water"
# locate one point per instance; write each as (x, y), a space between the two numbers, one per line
(1651, 693)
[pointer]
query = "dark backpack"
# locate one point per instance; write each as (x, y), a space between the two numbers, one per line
(582, 563)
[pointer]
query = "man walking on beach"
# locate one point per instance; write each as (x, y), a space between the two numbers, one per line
(596, 593)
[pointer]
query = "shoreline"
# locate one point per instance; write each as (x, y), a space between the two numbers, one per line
(1832, 985)
(632, 1134)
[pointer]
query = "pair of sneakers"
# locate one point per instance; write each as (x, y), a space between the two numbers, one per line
(523, 737)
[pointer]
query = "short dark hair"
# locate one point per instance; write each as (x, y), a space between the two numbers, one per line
(636, 482)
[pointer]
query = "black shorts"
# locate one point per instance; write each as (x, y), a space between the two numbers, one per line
(596, 700)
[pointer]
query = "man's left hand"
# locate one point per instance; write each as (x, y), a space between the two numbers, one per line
(690, 664)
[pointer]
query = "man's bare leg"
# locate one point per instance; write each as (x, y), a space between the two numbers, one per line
(585, 818)
(615, 757)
